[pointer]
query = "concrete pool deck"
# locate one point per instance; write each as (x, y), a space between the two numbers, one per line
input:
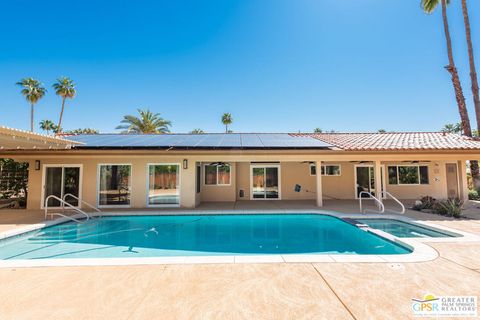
(241, 291)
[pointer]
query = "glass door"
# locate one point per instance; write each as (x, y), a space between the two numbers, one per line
(163, 184)
(62, 180)
(265, 182)
(365, 180)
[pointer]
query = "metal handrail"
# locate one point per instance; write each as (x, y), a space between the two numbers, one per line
(371, 196)
(386, 193)
(82, 201)
(63, 203)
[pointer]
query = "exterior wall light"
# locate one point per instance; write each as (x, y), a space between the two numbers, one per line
(185, 164)
(37, 164)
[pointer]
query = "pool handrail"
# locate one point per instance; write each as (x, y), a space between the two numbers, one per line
(63, 203)
(370, 196)
(386, 194)
(83, 202)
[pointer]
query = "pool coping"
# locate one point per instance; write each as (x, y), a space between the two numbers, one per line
(421, 251)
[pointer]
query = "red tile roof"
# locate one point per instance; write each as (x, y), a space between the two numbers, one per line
(397, 141)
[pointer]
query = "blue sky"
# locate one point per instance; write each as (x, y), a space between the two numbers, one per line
(276, 65)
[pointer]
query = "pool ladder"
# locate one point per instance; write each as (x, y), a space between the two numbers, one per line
(381, 206)
(64, 204)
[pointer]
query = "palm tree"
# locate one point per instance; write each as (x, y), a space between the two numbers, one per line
(148, 122)
(65, 88)
(47, 125)
(452, 128)
(471, 60)
(226, 120)
(33, 91)
(197, 131)
(429, 6)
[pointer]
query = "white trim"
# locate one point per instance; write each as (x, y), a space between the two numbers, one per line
(279, 168)
(384, 185)
(130, 186)
(166, 205)
(216, 184)
(63, 166)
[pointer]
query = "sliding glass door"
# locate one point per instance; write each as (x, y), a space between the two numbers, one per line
(61, 180)
(163, 184)
(265, 182)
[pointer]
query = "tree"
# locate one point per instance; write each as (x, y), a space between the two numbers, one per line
(197, 131)
(82, 131)
(65, 88)
(429, 6)
(148, 122)
(33, 91)
(471, 60)
(227, 120)
(452, 128)
(47, 125)
(382, 131)
(317, 130)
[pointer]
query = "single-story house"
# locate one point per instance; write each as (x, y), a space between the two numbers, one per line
(162, 170)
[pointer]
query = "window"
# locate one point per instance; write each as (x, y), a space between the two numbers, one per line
(114, 184)
(408, 175)
(163, 184)
(217, 175)
(198, 174)
(327, 170)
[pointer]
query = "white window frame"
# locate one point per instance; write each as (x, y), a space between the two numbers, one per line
(130, 187)
(279, 180)
(44, 180)
(168, 205)
(216, 184)
(325, 170)
(418, 172)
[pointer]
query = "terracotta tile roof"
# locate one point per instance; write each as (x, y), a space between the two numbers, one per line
(396, 141)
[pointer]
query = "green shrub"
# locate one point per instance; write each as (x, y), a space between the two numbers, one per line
(473, 195)
(450, 207)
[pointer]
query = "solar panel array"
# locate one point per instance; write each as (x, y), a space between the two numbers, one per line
(192, 141)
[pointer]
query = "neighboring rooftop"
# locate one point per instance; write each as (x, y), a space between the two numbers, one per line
(199, 141)
(397, 141)
(15, 139)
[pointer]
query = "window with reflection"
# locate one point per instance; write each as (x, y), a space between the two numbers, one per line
(164, 184)
(114, 185)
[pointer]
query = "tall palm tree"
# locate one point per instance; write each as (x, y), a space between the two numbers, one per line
(471, 60)
(429, 6)
(33, 91)
(226, 120)
(148, 122)
(65, 88)
(47, 125)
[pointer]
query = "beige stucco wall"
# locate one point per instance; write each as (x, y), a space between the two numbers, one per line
(292, 172)
(211, 193)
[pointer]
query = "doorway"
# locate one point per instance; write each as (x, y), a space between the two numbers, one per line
(265, 182)
(365, 180)
(59, 180)
(452, 180)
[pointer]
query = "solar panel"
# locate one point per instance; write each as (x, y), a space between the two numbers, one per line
(231, 140)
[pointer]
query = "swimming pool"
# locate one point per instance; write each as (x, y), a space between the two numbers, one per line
(404, 229)
(197, 235)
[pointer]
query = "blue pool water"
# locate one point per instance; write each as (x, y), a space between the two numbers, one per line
(403, 229)
(157, 236)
